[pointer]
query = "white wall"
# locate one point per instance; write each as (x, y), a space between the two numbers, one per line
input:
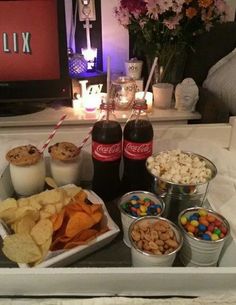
(68, 9)
(115, 38)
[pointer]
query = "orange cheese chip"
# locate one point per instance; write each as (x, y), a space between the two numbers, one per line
(97, 216)
(95, 207)
(78, 222)
(85, 207)
(73, 244)
(87, 234)
(57, 220)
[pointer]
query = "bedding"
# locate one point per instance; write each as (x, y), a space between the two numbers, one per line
(221, 81)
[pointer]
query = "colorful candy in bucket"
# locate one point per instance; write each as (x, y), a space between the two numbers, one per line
(204, 225)
(205, 233)
(137, 206)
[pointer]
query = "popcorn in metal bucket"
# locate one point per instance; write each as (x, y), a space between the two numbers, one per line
(181, 178)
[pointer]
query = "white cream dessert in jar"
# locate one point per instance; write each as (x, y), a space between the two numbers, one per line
(65, 163)
(27, 170)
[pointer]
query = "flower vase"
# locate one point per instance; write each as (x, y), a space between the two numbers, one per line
(170, 65)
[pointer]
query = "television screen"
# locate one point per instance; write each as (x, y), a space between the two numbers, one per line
(33, 51)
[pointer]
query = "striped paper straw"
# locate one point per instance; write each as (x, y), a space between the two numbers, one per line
(53, 133)
(85, 139)
(88, 135)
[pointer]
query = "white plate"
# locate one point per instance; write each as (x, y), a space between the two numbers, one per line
(63, 258)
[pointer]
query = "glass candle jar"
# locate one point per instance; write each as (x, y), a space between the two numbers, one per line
(123, 92)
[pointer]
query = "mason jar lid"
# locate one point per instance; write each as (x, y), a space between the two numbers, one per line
(107, 106)
(140, 104)
(121, 80)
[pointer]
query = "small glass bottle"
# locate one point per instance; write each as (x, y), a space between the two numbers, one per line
(137, 147)
(106, 154)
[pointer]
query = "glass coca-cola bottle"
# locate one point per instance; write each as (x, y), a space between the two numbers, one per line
(106, 154)
(137, 147)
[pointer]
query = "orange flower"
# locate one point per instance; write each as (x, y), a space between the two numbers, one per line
(191, 12)
(205, 3)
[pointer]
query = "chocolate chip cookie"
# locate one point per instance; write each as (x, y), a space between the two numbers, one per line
(63, 151)
(24, 155)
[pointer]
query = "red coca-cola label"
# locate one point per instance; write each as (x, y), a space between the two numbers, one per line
(106, 152)
(137, 151)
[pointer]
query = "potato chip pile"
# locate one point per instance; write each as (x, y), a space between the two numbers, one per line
(57, 219)
(77, 223)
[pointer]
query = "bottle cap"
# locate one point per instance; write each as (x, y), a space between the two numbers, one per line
(140, 104)
(107, 106)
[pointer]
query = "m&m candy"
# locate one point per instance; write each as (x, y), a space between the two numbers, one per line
(139, 207)
(204, 225)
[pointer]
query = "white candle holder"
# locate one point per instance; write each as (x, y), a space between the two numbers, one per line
(77, 105)
(92, 102)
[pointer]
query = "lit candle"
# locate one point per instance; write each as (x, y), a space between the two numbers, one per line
(77, 104)
(92, 102)
(148, 97)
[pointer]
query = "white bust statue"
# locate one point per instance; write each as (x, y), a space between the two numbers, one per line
(186, 95)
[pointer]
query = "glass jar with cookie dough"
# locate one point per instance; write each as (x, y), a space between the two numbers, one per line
(27, 169)
(65, 162)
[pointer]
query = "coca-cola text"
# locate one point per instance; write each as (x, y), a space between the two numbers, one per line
(106, 152)
(137, 151)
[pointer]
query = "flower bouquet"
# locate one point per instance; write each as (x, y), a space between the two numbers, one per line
(166, 28)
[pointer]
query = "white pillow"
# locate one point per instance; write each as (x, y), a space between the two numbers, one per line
(221, 80)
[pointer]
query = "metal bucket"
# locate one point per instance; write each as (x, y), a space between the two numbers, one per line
(145, 258)
(178, 197)
(127, 219)
(197, 252)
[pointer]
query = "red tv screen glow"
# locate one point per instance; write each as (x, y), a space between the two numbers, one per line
(29, 40)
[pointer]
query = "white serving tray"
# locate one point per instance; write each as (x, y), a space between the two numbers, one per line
(118, 281)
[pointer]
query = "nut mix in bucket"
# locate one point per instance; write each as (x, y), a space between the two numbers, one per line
(204, 232)
(136, 204)
(182, 178)
(155, 241)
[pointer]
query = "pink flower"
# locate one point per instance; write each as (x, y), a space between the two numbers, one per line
(177, 6)
(122, 16)
(172, 22)
(165, 5)
(133, 6)
(152, 9)
(142, 23)
(220, 6)
(223, 10)
(181, 20)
